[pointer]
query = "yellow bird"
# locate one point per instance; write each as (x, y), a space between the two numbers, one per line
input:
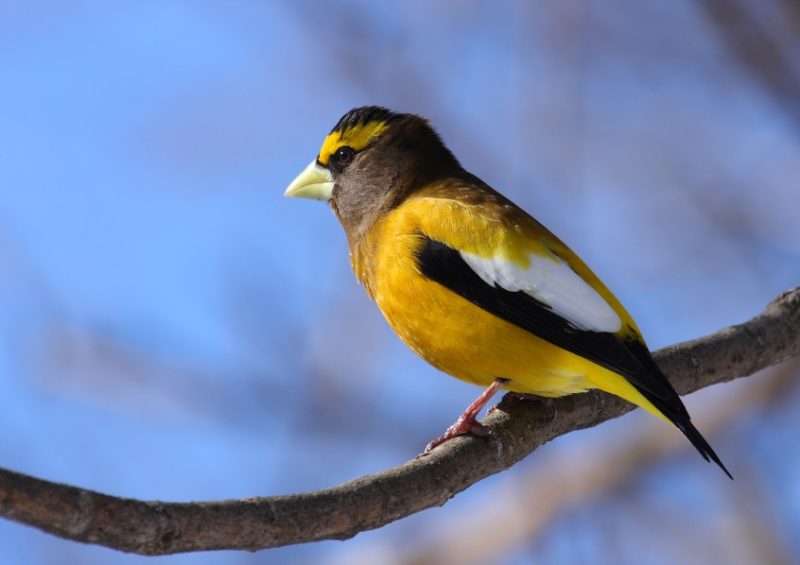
(471, 282)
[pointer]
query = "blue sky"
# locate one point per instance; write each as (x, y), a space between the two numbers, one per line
(174, 328)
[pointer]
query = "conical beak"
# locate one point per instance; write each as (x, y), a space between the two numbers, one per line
(315, 182)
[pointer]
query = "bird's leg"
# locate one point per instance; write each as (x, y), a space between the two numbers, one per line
(467, 423)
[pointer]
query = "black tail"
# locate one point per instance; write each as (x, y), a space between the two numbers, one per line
(678, 415)
(670, 404)
(700, 443)
(655, 387)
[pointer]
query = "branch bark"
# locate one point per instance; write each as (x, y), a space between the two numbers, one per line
(157, 528)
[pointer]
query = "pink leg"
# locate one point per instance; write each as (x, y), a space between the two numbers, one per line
(467, 423)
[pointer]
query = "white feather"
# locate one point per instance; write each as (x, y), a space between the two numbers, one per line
(554, 283)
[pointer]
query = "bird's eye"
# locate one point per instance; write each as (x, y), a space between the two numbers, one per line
(342, 157)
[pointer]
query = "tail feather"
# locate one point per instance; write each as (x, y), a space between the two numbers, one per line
(700, 443)
(667, 401)
(675, 411)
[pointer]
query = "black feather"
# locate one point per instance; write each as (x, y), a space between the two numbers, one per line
(364, 115)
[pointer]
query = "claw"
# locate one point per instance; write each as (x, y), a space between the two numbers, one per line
(462, 427)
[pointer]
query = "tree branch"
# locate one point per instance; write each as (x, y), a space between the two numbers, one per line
(155, 528)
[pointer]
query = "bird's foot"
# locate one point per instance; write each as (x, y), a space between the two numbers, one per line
(464, 425)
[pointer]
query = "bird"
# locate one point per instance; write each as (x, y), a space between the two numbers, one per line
(471, 282)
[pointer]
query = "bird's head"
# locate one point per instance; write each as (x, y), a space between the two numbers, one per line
(370, 161)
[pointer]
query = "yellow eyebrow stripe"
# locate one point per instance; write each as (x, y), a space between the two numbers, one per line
(358, 137)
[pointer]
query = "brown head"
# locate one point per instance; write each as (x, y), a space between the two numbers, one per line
(370, 162)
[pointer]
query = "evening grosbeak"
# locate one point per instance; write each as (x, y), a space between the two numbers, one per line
(471, 282)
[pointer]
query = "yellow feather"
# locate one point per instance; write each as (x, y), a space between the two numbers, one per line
(356, 137)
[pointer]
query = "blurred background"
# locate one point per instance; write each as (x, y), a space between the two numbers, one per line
(173, 328)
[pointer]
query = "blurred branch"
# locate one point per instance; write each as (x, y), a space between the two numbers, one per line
(370, 502)
(759, 49)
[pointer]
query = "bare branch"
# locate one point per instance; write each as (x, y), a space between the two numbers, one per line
(370, 502)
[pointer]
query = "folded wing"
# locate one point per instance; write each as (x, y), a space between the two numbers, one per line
(551, 301)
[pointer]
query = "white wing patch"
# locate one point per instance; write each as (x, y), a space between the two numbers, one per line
(554, 283)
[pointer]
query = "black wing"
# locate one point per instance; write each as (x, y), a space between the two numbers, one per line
(629, 358)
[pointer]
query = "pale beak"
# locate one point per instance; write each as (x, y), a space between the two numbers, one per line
(315, 182)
